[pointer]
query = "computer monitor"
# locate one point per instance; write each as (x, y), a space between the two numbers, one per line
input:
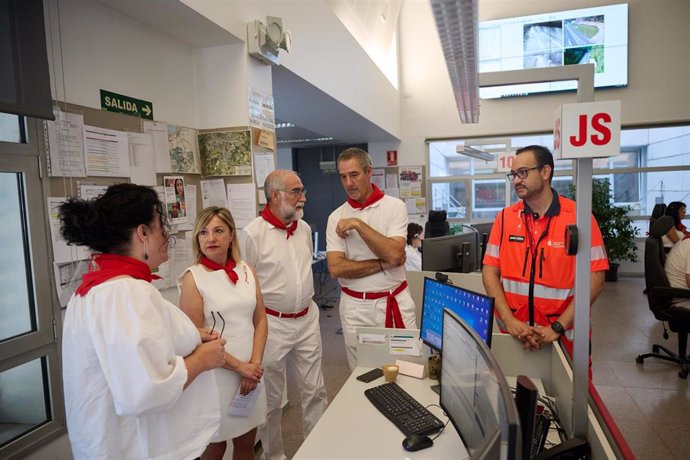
(484, 230)
(474, 308)
(475, 394)
(454, 253)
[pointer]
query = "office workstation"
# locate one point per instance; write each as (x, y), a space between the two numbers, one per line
(191, 61)
(352, 427)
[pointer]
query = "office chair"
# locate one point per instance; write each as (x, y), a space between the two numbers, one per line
(658, 211)
(437, 225)
(660, 295)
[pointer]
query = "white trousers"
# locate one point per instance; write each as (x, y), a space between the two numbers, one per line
(294, 342)
(356, 313)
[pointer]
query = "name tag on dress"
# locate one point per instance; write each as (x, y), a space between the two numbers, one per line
(516, 238)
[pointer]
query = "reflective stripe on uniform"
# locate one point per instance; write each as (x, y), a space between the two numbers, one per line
(492, 250)
(540, 291)
(598, 253)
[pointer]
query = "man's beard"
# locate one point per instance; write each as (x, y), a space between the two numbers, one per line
(289, 213)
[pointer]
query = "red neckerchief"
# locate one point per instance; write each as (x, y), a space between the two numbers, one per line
(376, 195)
(228, 267)
(273, 220)
(111, 265)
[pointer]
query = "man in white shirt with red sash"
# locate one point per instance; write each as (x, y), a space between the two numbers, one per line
(366, 252)
(278, 245)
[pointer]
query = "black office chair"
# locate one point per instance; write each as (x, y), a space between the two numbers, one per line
(658, 211)
(437, 225)
(660, 295)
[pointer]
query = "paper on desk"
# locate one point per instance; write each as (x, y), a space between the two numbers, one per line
(372, 338)
(408, 345)
(243, 405)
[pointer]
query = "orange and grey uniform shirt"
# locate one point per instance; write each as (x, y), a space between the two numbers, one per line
(537, 275)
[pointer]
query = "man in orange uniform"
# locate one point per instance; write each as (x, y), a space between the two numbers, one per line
(526, 267)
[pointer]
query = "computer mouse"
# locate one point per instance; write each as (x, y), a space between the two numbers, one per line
(417, 442)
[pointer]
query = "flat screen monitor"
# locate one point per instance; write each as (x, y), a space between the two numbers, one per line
(476, 395)
(474, 308)
(597, 35)
(454, 253)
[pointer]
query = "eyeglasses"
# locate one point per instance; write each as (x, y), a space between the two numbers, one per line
(213, 315)
(521, 173)
(296, 192)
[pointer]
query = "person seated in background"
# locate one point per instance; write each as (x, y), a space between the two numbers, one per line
(675, 209)
(133, 365)
(221, 290)
(415, 235)
(678, 269)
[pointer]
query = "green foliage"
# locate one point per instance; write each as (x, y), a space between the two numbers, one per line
(615, 225)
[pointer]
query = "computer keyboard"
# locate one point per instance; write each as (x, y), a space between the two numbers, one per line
(403, 410)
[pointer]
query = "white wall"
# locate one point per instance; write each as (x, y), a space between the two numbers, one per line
(658, 88)
(102, 49)
(324, 53)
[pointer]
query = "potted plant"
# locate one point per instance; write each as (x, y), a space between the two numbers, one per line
(616, 227)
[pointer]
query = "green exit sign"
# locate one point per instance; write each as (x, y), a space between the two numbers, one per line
(113, 102)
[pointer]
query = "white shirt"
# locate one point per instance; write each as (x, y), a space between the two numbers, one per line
(667, 241)
(414, 259)
(282, 264)
(678, 264)
(123, 370)
(388, 216)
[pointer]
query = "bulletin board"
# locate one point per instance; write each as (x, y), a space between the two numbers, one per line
(407, 183)
(225, 166)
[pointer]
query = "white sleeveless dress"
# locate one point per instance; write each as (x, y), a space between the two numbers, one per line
(236, 304)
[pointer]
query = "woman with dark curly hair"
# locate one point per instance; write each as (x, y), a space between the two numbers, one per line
(133, 363)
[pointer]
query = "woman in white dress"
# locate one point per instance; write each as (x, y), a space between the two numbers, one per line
(132, 363)
(222, 291)
(415, 235)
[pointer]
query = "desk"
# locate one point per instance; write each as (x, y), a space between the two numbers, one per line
(352, 428)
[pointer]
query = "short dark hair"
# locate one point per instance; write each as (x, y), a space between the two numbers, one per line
(413, 230)
(105, 223)
(541, 154)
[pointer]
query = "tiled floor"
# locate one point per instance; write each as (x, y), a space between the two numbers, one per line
(649, 402)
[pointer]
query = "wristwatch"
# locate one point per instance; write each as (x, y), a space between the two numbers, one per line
(557, 327)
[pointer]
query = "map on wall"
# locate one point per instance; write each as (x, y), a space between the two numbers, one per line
(226, 153)
(184, 149)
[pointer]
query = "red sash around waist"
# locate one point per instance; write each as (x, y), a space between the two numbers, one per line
(393, 316)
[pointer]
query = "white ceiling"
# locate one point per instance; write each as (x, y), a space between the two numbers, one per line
(313, 112)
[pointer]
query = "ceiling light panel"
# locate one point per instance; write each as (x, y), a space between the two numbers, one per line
(457, 24)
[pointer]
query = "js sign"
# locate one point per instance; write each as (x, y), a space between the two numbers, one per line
(587, 130)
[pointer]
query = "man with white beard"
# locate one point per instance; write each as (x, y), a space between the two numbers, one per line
(278, 244)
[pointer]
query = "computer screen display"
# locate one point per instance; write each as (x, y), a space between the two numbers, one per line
(597, 35)
(475, 309)
(454, 253)
(475, 393)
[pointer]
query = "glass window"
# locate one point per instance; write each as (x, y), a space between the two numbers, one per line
(489, 198)
(451, 196)
(15, 302)
(24, 404)
(653, 167)
(9, 128)
(31, 406)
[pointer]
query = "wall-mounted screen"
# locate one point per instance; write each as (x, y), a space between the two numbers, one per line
(596, 35)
